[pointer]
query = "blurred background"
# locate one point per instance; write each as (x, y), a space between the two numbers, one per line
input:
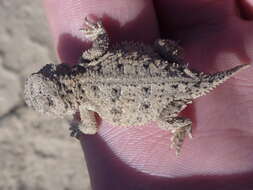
(36, 152)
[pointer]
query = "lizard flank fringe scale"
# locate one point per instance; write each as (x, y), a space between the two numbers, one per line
(125, 84)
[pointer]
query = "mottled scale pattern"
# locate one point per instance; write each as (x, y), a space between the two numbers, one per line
(127, 84)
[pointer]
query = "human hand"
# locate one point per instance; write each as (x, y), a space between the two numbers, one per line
(215, 38)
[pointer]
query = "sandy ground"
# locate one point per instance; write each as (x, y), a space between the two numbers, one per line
(36, 152)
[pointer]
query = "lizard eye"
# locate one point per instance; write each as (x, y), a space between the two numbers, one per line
(50, 101)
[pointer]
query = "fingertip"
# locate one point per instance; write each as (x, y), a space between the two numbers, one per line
(246, 9)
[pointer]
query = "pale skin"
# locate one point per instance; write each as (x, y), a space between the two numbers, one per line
(222, 120)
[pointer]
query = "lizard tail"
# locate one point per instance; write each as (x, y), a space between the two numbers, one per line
(210, 81)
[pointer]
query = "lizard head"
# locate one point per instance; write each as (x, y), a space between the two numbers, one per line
(42, 95)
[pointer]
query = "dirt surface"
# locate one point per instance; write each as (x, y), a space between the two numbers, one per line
(36, 151)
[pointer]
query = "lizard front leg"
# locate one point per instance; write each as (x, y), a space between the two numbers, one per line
(87, 125)
(99, 37)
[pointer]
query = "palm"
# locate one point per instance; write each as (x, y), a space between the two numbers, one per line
(215, 38)
(223, 118)
(222, 126)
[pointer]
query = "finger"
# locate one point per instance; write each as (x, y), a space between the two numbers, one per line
(124, 20)
(205, 29)
(176, 16)
(246, 9)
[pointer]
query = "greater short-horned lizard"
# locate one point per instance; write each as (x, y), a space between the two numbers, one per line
(126, 84)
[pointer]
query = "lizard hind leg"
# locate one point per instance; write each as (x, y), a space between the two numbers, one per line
(169, 50)
(179, 127)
